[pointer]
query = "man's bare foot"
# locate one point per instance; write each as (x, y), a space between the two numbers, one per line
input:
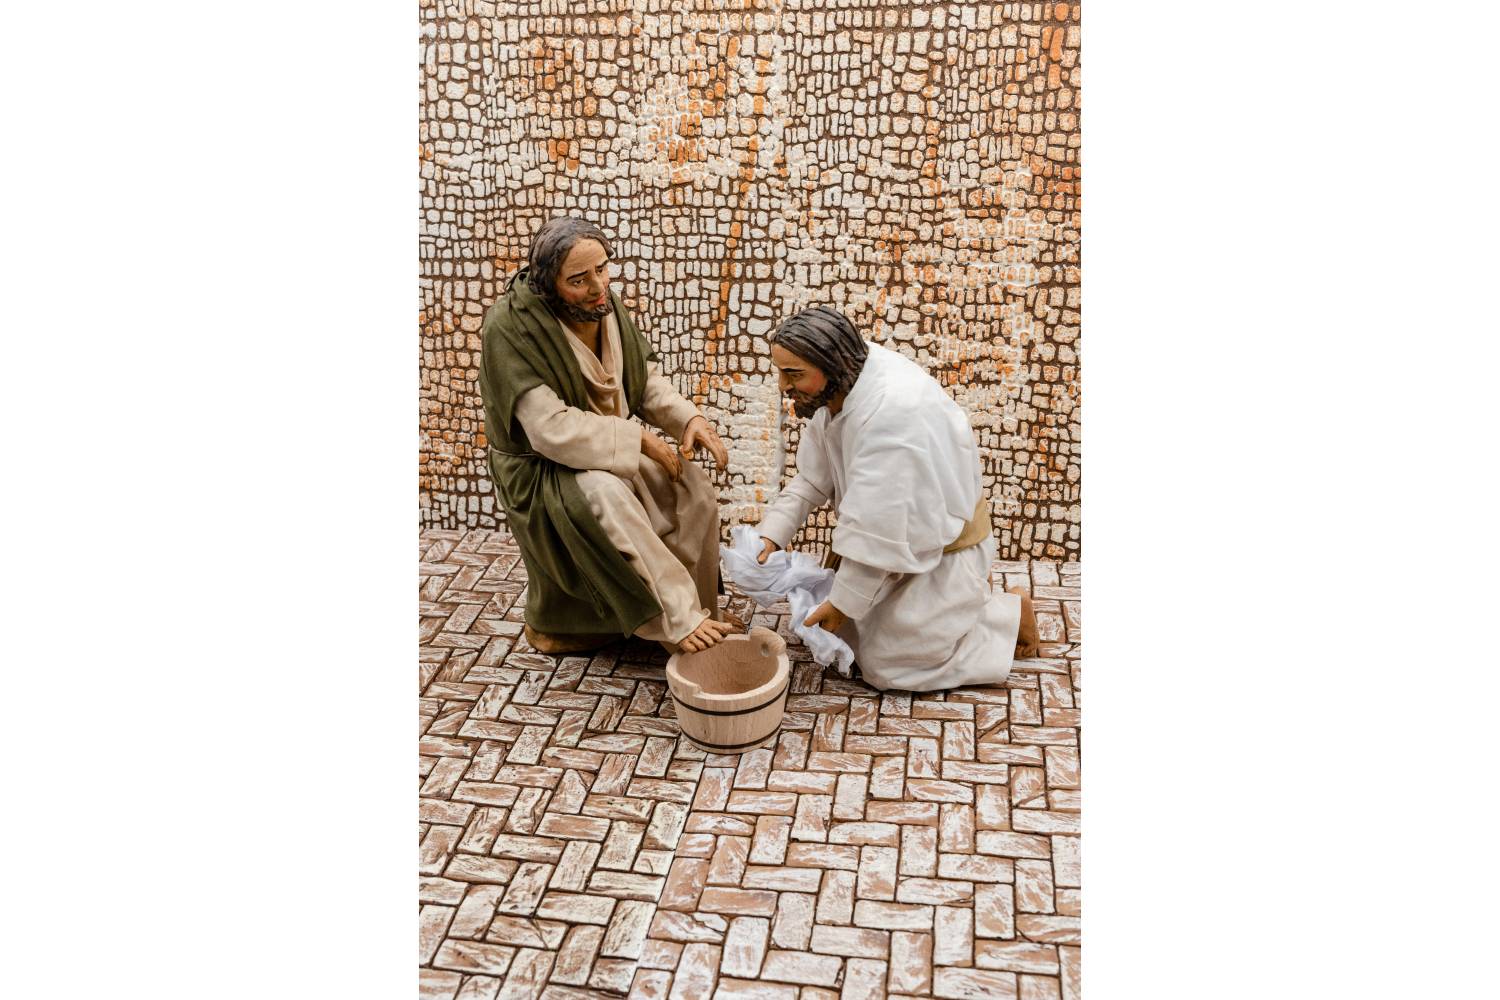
(1027, 639)
(709, 633)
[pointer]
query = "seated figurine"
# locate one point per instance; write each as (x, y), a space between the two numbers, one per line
(619, 531)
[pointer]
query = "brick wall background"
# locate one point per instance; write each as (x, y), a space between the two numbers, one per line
(914, 165)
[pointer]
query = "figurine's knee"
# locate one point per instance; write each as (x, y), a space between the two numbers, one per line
(605, 490)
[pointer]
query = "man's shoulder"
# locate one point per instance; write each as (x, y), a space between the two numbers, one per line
(491, 331)
(902, 391)
(500, 315)
(500, 305)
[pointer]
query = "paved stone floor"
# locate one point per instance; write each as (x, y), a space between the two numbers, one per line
(571, 845)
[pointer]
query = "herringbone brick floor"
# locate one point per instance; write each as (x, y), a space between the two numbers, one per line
(889, 845)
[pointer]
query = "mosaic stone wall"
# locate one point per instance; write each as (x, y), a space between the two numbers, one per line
(914, 165)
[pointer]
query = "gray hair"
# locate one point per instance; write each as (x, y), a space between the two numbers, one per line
(825, 338)
(551, 246)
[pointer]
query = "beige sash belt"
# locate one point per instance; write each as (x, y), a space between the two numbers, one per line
(976, 531)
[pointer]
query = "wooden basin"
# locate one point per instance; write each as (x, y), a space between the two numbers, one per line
(731, 696)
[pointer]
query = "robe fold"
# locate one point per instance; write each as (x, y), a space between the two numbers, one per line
(901, 467)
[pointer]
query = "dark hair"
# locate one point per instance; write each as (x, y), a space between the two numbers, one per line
(550, 247)
(825, 338)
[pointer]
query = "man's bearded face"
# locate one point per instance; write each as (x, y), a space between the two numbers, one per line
(801, 381)
(582, 284)
(805, 406)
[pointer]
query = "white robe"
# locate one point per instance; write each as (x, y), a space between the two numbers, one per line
(901, 467)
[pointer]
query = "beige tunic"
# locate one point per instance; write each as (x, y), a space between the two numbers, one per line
(668, 532)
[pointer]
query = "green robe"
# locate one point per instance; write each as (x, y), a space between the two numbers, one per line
(577, 581)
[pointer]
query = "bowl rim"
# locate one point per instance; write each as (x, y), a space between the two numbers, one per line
(777, 676)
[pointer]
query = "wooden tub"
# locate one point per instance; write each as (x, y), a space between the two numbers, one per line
(730, 697)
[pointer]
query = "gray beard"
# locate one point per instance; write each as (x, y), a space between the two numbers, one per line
(573, 314)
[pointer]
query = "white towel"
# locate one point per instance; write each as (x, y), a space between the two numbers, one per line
(794, 577)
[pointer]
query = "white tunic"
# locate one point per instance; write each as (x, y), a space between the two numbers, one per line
(901, 467)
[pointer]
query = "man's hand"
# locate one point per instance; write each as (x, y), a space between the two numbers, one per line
(661, 453)
(827, 617)
(766, 548)
(699, 432)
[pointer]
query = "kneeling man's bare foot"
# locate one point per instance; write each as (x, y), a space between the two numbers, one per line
(1027, 638)
(709, 633)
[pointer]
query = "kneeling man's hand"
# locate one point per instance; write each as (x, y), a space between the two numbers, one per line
(827, 617)
(700, 432)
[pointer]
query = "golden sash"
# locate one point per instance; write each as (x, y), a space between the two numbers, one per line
(976, 531)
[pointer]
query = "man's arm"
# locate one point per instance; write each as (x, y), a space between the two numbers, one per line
(578, 438)
(788, 512)
(856, 589)
(663, 406)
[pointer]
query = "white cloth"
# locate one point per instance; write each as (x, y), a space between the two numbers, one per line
(900, 465)
(794, 577)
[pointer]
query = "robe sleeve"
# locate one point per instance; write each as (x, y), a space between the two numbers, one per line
(789, 510)
(577, 438)
(663, 406)
(858, 587)
(810, 488)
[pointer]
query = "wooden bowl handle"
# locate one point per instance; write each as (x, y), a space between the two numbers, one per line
(769, 644)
